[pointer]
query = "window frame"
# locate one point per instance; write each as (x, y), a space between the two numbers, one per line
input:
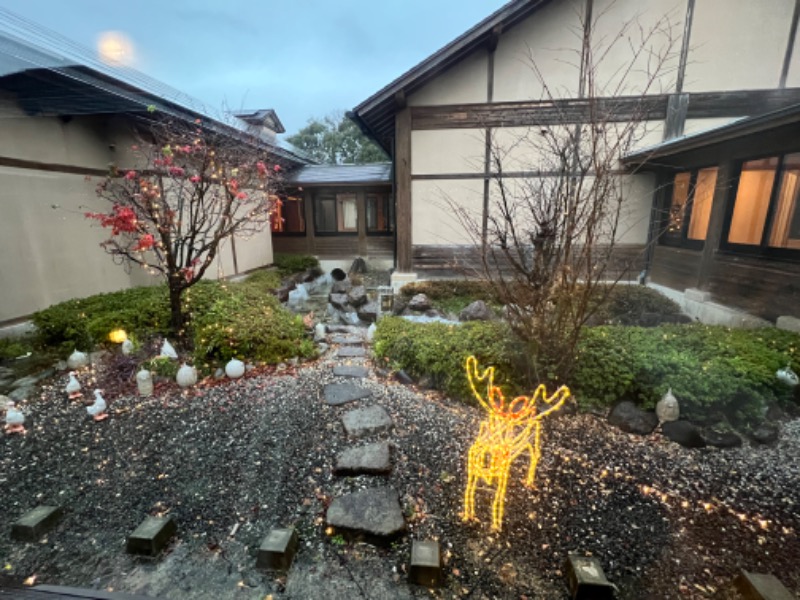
(386, 198)
(762, 249)
(302, 202)
(316, 203)
(682, 240)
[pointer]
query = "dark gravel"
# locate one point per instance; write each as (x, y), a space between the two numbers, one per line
(231, 460)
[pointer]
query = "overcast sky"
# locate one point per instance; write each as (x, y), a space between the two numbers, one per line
(304, 58)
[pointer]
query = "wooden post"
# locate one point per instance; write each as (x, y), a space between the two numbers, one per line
(402, 176)
(308, 209)
(716, 222)
(361, 222)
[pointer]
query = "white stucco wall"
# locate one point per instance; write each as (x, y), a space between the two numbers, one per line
(464, 83)
(434, 221)
(447, 151)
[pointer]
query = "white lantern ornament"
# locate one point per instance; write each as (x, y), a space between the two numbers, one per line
(787, 376)
(667, 408)
(144, 383)
(77, 360)
(234, 369)
(186, 376)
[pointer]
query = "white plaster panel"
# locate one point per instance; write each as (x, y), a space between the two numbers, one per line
(737, 45)
(694, 126)
(462, 83)
(434, 218)
(447, 151)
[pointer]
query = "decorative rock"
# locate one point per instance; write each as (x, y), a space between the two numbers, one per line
(426, 564)
(357, 295)
(404, 377)
(337, 394)
(667, 408)
(347, 340)
(350, 371)
(234, 369)
(683, 433)
(219, 373)
(151, 536)
(341, 287)
(765, 434)
(21, 394)
(144, 383)
(631, 419)
(586, 579)
(758, 586)
(350, 352)
(374, 512)
(369, 312)
(366, 421)
(477, 311)
(342, 329)
(35, 523)
(787, 377)
(186, 376)
(726, 439)
(371, 332)
(358, 267)
(77, 360)
(319, 332)
(277, 550)
(322, 347)
(420, 303)
(372, 459)
(298, 297)
(338, 275)
(127, 347)
(339, 301)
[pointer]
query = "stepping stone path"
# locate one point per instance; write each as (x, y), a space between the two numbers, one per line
(375, 512)
(337, 394)
(371, 459)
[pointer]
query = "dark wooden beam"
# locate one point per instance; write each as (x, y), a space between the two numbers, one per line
(716, 222)
(400, 99)
(308, 209)
(687, 34)
(787, 57)
(402, 174)
(677, 109)
(19, 163)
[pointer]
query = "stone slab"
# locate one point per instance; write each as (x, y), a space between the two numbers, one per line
(371, 459)
(788, 323)
(350, 371)
(36, 522)
(347, 340)
(366, 421)
(151, 536)
(586, 579)
(426, 564)
(351, 352)
(277, 550)
(760, 586)
(60, 592)
(337, 394)
(374, 512)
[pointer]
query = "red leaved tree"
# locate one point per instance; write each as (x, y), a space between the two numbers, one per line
(189, 190)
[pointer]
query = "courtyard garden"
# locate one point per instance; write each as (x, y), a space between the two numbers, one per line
(231, 459)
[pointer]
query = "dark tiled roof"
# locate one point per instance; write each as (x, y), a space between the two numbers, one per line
(341, 174)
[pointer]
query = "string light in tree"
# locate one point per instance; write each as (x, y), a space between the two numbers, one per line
(510, 430)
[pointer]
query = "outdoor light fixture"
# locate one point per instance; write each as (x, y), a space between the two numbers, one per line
(504, 436)
(118, 336)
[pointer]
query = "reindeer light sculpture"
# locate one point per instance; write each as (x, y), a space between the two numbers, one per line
(504, 436)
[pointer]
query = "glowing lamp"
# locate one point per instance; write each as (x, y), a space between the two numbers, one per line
(510, 430)
(118, 336)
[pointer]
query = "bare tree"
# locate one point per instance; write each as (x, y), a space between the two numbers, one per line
(550, 239)
(191, 189)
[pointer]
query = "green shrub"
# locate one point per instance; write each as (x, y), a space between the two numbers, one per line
(624, 304)
(451, 295)
(263, 280)
(710, 369)
(439, 351)
(247, 324)
(14, 348)
(163, 366)
(289, 264)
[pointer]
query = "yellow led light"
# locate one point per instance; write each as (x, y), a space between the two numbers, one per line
(118, 336)
(503, 436)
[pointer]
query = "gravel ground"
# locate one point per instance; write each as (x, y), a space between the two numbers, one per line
(231, 460)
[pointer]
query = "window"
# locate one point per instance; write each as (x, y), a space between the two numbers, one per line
(379, 217)
(765, 215)
(690, 207)
(335, 213)
(289, 216)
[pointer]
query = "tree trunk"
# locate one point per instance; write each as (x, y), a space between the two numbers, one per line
(177, 319)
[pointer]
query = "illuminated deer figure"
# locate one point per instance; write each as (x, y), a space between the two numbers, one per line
(504, 436)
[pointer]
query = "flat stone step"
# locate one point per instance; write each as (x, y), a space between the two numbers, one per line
(367, 421)
(374, 512)
(344, 329)
(347, 340)
(151, 536)
(371, 459)
(350, 371)
(336, 394)
(351, 352)
(36, 522)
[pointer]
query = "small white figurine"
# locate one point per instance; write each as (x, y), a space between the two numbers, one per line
(73, 387)
(98, 407)
(168, 350)
(667, 408)
(127, 347)
(186, 376)
(77, 360)
(15, 419)
(787, 376)
(144, 383)
(234, 369)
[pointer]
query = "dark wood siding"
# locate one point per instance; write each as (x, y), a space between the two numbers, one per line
(676, 268)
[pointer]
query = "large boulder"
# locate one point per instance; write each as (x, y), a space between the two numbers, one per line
(420, 303)
(722, 439)
(368, 312)
(683, 433)
(357, 295)
(341, 287)
(765, 434)
(477, 311)
(632, 419)
(339, 301)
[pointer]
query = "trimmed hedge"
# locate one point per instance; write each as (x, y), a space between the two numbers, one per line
(288, 264)
(710, 369)
(439, 351)
(625, 304)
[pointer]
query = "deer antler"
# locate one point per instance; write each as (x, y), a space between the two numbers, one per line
(494, 401)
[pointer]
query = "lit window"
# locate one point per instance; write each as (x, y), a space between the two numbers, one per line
(690, 207)
(289, 216)
(702, 199)
(786, 222)
(752, 201)
(379, 218)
